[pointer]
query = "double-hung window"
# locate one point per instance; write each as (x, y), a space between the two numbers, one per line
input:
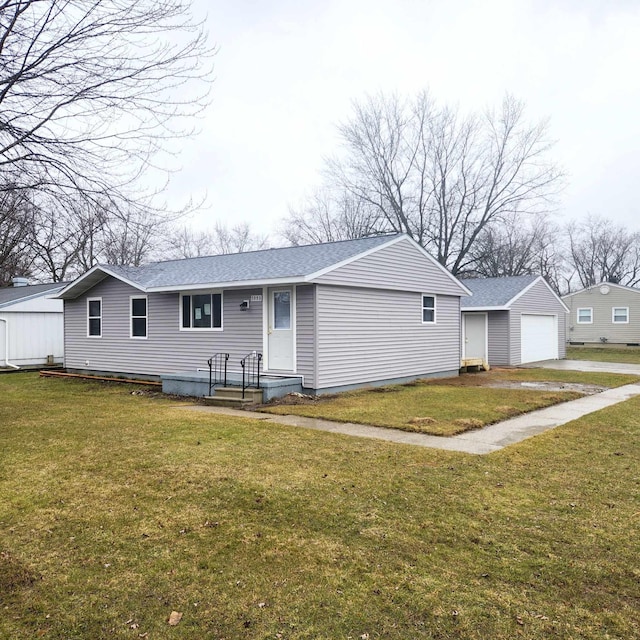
(139, 317)
(428, 309)
(585, 316)
(620, 315)
(201, 311)
(94, 317)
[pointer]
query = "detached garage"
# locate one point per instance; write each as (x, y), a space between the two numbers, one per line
(512, 321)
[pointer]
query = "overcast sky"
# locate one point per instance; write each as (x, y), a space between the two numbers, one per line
(287, 72)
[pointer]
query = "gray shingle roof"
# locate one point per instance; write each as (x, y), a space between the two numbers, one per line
(269, 264)
(494, 292)
(11, 295)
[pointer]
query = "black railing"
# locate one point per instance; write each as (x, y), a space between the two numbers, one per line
(251, 371)
(217, 369)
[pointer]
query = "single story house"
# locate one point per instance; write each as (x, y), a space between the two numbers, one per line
(336, 315)
(31, 324)
(512, 321)
(604, 313)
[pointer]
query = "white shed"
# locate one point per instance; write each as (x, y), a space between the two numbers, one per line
(31, 325)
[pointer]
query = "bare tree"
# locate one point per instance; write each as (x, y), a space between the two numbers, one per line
(131, 237)
(602, 251)
(186, 242)
(66, 239)
(329, 215)
(237, 239)
(443, 178)
(91, 90)
(524, 245)
(16, 221)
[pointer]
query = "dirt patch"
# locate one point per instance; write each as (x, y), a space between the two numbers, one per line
(14, 575)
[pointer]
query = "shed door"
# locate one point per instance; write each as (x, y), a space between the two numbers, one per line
(538, 338)
(474, 336)
(281, 330)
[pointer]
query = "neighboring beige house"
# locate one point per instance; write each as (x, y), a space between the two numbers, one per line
(604, 313)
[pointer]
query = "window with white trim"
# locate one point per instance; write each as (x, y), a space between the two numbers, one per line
(585, 316)
(139, 317)
(94, 317)
(428, 309)
(201, 311)
(620, 315)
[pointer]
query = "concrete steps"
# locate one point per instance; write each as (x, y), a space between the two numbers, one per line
(232, 397)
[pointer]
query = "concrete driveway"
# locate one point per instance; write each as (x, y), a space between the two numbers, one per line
(588, 365)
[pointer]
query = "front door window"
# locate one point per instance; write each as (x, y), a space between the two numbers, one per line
(282, 310)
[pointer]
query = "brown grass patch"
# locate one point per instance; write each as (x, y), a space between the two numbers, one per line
(507, 410)
(469, 423)
(423, 420)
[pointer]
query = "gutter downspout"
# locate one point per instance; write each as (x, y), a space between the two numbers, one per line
(6, 345)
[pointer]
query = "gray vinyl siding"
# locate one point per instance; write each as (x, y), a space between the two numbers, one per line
(537, 300)
(401, 266)
(602, 326)
(305, 334)
(498, 339)
(364, 335)
(167, 349)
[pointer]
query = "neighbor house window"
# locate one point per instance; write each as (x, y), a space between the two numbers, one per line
(202, 311)
(94, 317)
(620, 315)
(428, 309)
(139, 317)
(585, 316)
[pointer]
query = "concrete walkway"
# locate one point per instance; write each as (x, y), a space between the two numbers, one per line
(588, 365)
(478, 441)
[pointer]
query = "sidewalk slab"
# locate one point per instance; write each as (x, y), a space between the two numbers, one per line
(587, 365)
(480, 441)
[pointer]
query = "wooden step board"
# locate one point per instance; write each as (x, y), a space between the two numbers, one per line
(474, 364)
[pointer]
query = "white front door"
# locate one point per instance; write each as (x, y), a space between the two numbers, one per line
(474, 336)
(280, 330)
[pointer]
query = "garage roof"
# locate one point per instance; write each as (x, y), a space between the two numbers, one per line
(499, 293)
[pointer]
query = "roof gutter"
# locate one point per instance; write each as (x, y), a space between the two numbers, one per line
(6, 345)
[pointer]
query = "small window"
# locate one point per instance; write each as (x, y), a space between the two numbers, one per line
(202, 311)
(282, 310)
(585, 316)
(428, 309)
(620, 315)
(94, 317)
(139, 317)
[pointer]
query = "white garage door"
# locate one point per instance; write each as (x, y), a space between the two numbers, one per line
(539, 338)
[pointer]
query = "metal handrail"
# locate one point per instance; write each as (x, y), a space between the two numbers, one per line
(250, 371)
(217, 362)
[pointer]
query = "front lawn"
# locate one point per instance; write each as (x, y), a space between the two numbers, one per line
(630, 355)
(117, 509)
(445, 407)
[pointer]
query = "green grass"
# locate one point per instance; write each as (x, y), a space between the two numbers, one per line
(116, 509)
(446, 407)
(630, 355)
